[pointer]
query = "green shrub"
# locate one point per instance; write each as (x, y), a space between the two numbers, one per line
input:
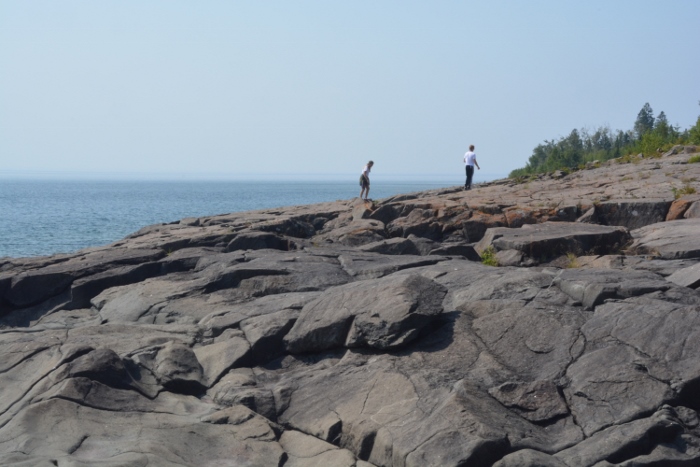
(572, 261)
(694, 159)
(488, 257)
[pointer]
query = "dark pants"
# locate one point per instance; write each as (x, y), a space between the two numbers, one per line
(470, 174)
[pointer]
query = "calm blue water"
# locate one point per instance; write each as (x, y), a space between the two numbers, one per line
(39, 217)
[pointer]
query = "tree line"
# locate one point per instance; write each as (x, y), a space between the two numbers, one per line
(650, 136)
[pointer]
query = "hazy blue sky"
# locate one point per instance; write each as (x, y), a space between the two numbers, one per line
(307, 88)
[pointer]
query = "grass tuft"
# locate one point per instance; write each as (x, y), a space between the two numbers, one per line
(488, 257)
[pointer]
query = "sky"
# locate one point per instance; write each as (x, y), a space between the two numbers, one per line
(314, 89)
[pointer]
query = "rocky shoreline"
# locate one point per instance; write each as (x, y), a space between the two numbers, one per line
(359, 334)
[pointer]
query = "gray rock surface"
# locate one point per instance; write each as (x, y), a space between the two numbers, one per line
(370, 334)
(551, 239)
(687, 277)
(669, 240)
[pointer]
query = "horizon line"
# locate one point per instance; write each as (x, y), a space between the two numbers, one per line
(247, 176)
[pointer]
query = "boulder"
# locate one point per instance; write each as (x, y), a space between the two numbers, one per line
(177, 368)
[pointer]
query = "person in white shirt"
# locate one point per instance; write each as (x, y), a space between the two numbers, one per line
(469, 163)
(364, 180)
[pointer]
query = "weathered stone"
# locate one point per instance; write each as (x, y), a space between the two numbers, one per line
(509, 257)
(538, 401)
(588, 217)
(669, 240)
(457, 249)
(35, 285)
(625, 441)
(176, 366)
(359, 232)
(517, 217)
(552, 239)
(308, 451)
(360, 212)
(364, 266)
(632, 214)
(292, 226)
(693, 212)
(385, 213)
(591, 287)
(382, 314)
(680, 206)
(392, 246)
(475, 227)
(218, 358)
(529, 457)
(687, 277)
(423, 245)
(265, 334)
(258, 241)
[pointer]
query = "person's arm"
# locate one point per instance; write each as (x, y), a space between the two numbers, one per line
(476, 164)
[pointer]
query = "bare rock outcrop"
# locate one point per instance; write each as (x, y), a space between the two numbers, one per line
(372, 334)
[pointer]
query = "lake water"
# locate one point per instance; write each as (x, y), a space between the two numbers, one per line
(43, 217)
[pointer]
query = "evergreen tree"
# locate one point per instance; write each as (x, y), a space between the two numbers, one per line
(661, 119)
(661, 127)
(645, 121)
(650, 137)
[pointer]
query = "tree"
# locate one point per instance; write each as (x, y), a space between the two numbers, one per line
(662, 127)
(645, 121)
(661, 119)
(694, 133)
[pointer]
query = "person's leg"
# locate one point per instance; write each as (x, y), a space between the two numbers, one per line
(367, 192)
(470, 174)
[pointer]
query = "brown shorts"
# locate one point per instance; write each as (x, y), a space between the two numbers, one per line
(364, 181)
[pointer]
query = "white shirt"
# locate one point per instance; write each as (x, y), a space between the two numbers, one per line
(469, 158)
(366, 170)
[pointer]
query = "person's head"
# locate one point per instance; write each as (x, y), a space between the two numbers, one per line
(471, 147)
(370, 163)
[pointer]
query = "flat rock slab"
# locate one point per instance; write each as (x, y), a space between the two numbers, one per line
(591, 287)
(669, 240)
(551, 239)
(687, 277)
(382, 314)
